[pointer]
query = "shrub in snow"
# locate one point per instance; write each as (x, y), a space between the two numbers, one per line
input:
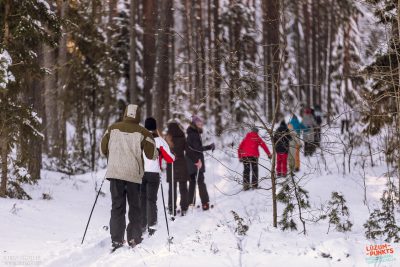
(293, 196)
(47, 196)
(338, 213)
(14, 190)
(241, 228)
(382, 222)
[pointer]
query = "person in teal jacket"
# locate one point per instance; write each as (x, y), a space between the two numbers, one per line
(298, 126)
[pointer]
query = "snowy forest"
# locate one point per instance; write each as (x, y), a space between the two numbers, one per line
(69, 69)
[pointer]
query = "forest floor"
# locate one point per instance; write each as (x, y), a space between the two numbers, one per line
(49, 232)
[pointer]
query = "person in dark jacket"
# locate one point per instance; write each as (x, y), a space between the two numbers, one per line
(308, 136)
(196, 164)
(177, 142)
(282, 140)
(248, 154)
(151, 178)
(318, 119)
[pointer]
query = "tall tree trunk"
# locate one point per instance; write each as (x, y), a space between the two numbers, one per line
(50, 102)
(272, 26)
(398, 96)
(171, 40)
(189, 45)
(217, 103)
(3, 121)
(273, 55)
(149, 51)
(307, 52)
(62, 7)
(95, 19)
(202, 59)
(329, 63)
(111, 80)
(133, 92)
(209, 85)
(314, 44)
(31, 148)
(265, 59)
(163, 60)
(320, 51)
(346, 59)
(196, 42)
(299, 72)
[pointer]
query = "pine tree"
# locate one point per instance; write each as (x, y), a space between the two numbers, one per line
(382, 222)
(25, 27)
(338, 213)
(293, 195)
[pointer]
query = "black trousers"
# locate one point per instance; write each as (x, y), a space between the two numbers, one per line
(148, 198)
(250, 163)
(202, 189)
(317, 136)
(183, 191)
(121, 191)
(309, 148)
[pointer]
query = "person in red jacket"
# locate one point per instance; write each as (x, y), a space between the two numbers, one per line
(248, 154)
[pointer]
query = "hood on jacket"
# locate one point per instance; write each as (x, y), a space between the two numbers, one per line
(193, 129)
(282, 127)
(175, 130)
(294, 120)
(132, 113)
(251, 135)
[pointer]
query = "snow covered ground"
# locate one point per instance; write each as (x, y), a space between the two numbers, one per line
(48, 232)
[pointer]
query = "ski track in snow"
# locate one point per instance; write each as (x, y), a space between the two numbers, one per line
(51, 230)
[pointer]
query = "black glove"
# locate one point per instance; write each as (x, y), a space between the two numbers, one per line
(270, 156)
(241, 160)
(212, 147)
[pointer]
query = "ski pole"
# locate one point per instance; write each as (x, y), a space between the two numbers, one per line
(90, 216)
(195, 185)
(165, 214)
(173, 192)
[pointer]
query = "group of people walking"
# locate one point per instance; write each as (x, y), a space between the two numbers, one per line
(135, 156)
(287, 141)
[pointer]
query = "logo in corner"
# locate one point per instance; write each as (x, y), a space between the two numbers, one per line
(379, 253)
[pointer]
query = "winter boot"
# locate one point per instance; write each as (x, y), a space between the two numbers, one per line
(116, 245)
(170, 211)
(206, 206)
(133, 243)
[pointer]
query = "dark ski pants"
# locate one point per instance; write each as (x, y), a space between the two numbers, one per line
(202, 189)
(121, 191)
(183, 191)
(309, 148)
(317, 136)
(148, 197)
(250, 164)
